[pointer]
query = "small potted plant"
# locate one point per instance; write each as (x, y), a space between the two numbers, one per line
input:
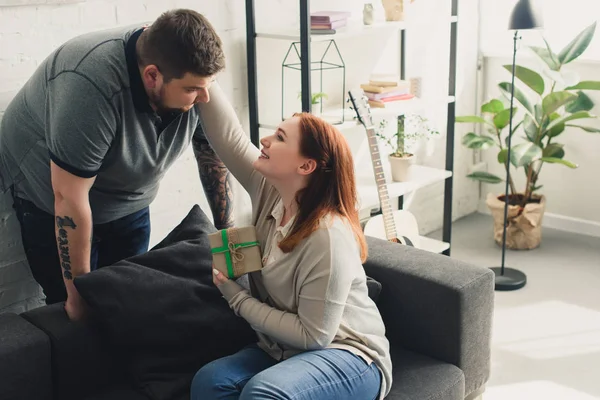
(409, 127)
(316, 98)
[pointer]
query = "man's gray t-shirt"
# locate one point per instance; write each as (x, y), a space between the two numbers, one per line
(85, 108)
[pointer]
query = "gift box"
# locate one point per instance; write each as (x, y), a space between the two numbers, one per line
(236, 251)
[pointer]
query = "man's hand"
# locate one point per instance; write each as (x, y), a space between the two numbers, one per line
(75, 306)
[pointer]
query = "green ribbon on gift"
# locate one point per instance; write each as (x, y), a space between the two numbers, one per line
(231, 249)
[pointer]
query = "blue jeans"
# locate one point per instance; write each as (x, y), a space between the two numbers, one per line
(251, 374)
(111, 242)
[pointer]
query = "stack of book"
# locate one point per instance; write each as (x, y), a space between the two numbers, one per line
(383, 92)
(327, 22)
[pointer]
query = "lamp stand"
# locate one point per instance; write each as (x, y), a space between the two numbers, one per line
(509, 278)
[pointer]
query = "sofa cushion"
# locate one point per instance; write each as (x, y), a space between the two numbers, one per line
(118, 393)
(164, 309)
(374, 288)
(82, 362)
(418, 377)
(24, 360)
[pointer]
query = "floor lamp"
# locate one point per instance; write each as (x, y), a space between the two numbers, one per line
(523, 17)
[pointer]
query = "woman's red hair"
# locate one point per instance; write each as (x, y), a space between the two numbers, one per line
(331, 188)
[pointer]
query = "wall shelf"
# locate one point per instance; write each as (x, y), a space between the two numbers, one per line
(354, 28)
(423, 176)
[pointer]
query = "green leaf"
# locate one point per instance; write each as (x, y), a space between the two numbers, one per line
(554, 150)
(585, 128)
(502, 156)
(525, 153)
(547, 56)
(577, 45)
(555, 160)
(530, 128)
(528, 77)
(485, 177)
(539, 114)
(582, 103)
(586, 85)
(520, 96)
(571, 117)
(471, 119)
(535, 188)
(474, 141)
(503, 118)
(554, 101)
(555, 130)
(493, 107)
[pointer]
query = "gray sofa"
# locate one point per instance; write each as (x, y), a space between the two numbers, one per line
(437, 311)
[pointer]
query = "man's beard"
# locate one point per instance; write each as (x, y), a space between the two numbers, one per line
(157, 100)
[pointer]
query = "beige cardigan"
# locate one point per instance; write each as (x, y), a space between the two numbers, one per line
(312, 298)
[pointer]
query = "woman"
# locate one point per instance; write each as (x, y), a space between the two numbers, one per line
(320, 335)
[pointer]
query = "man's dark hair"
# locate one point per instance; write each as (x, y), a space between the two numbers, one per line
(181, 41)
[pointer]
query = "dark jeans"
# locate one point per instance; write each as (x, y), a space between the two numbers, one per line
(112, 242)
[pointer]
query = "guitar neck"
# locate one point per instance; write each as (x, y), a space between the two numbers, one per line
(380, 181)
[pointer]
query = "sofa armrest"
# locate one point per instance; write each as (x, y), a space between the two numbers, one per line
(435, 305)
(25, 372)
(82, 363)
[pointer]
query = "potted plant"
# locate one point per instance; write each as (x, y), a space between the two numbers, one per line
(559, 101)
(409, 127)
(316, 98)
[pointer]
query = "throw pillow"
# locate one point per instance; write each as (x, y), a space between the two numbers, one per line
(162, 309)
(374, 288)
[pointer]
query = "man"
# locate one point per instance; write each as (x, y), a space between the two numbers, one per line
(85, 143)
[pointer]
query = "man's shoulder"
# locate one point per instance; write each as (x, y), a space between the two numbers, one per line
(98, 57)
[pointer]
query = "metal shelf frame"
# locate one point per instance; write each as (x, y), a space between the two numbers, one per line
(305, 68)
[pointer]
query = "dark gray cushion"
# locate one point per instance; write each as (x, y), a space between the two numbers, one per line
(82, 362)
(120, 393)
(374, 288)
(164, 311)
(418, 377)
(25, 372)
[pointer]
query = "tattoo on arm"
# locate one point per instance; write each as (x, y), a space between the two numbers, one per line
(63, 244)
(216, 181)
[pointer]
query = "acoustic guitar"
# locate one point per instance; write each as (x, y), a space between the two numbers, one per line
(399, 226)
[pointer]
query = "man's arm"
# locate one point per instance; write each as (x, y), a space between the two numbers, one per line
(73, 223)
(216, 181)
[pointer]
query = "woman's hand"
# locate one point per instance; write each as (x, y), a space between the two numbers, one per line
(219, 278)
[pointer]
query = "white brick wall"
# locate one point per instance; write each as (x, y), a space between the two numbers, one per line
(31, 29)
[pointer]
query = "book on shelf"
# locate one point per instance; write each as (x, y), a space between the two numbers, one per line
(390, 94)
(383, 103)
(329, 25)
(328, 16)
(377, 89)
(322, 31)
(386, 80)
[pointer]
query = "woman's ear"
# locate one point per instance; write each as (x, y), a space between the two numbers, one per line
(307, 167)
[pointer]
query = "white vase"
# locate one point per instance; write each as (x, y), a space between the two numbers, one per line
(401, 167)
(368, 14)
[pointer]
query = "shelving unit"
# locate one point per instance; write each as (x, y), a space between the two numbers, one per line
(423, 176)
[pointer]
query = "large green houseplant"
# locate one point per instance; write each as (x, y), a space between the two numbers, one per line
(559, 101)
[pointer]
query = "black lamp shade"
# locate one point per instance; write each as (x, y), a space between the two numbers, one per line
(524, 17)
